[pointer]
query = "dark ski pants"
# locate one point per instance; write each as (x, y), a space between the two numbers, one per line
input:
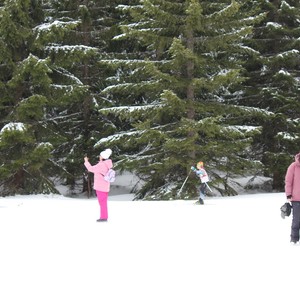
(295, 228)
(202, 191)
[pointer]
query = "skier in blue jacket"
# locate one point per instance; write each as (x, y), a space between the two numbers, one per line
(200, 171)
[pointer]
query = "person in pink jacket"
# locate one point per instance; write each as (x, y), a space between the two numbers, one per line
(292, 191)
(101, 186)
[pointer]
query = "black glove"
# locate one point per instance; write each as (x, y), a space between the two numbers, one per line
(289, 197)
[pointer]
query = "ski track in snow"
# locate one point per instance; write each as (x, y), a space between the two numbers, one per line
(233, 248)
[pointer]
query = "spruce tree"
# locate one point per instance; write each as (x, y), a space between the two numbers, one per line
(24, 83)
(56, 54)
(96, 26)
(169, 95)
(45, 92)
(73, 53)
(273, 85)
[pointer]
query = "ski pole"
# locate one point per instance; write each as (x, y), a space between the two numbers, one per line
(208, 186)
(184, 183)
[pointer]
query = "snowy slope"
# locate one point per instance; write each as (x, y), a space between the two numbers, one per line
(230, 248)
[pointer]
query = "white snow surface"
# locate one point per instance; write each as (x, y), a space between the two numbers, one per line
(230, 248)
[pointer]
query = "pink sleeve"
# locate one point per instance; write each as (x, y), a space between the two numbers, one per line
(289, 177)
(100, 167)
(93, 169)
(88, 165)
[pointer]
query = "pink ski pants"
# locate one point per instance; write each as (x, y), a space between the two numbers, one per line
(102, 199)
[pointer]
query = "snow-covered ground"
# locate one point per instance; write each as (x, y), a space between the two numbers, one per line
(234, 248)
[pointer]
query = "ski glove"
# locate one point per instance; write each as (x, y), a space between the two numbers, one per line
(289, 197)
(193, 168)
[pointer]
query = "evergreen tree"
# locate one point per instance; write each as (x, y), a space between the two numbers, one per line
(273, 85)
(68, 40)
(40, 92)
(87, 42)
(50, 81)
(169, 95)
(24, 83)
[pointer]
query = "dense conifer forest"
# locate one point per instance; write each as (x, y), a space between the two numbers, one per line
(164, 84)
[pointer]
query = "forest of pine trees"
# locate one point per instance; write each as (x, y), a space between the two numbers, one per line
(164, 84)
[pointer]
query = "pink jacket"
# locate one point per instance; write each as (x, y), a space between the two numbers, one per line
(292, 179)
(99, 170)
